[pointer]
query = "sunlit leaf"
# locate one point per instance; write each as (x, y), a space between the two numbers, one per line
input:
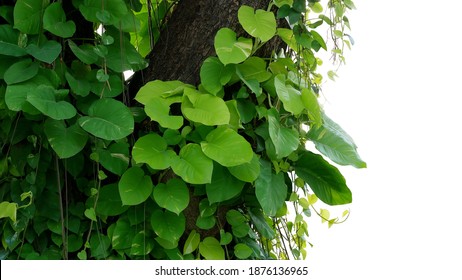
(204, 108)
(193, 165)
(168, 225)
(259, 23)
(242, 251)
(134, 186)
(285, 140)
(191, 243)
(152, 149)
(231, 50)
(211, 249)
(173, 196)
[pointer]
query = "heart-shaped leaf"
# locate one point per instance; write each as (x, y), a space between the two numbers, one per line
(260, 23)
(242, 251)
(211, 249)
(247, 172)
(254, 68)
(173, 196)
(115, 158)
(270, 189)
(9, 41)
(134, 186)
(44, 99)
(285, 140)
(46, 52)
(8, 209)
(168, 225)
(192, 165)
(290, 97)
(109, 201)
(227, 147)
(152, 149)
(230, 50)
(191, 243)
(65, 141)
(214, 75)
(204, 108)
(84, 53)
(225, 237)
(54, 20)
(90, 214)
(21, 71)
(28, 15)
(325, 180)
(224, 186)
(108, 119)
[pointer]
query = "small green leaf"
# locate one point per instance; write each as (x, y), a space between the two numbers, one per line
(108, 119)
(173, 196)
(28, 15)
(21, 71)
(290, 97)
(247, 172)
(285, 140)
(134, 186)
(46, 52)
(242, 251)
(122, 235)
(54, 20)
(85, 52)
(8, 209)
(193, 165)
(90, 214)
(44, 99)
(9, 42)
(230, 50)
(259, 23)
(254, 68)
(310, 101)
(214, 75)
(224, 186)
(227, 147)
(65, 141)
(325, 180)
(168, 225)
(204, 108)
(191, 243)
(142, 244)
(152, 149)
(205, 222)
(225, 237)
(270, 189)
(260, 222)
(211, 249)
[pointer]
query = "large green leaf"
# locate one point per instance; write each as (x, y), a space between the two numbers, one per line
(214, 75)
(84, 53)
(332, 141)
(285, 140)
(242, 251)
(254, 68)
(28, 15)
(193, 165)
(230, 50)
(152, 149)
(290, 97)
(227, 147)
(173, 196)
(78, 86)
(247, 172)
(107, 12)
(46, 52)
(134, 186)
(21, 71)
(44, 99)
(65, 141)
(191, 243)
(54, 20)
(142, 244)
(211, 249)
(270, 189)
(325, 180)
(310, 101)
(260, 23)
(9, 41)
(115, 158)
(224, 186)
(168, 225)
(204, 108)
(108, 119)
(109, 201)
(158, 109)
(157, 88)
(122, 235)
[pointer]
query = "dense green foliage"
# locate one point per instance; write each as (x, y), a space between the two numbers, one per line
(215, 171)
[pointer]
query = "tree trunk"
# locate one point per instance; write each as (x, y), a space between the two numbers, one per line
(188, 40)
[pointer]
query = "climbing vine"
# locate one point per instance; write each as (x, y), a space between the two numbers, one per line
(218, 170)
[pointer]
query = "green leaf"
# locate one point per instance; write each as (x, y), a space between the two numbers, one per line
(122, 235)
(173, 196)
(211, 249)
(8, 209)
(54, 20)
(90, 214)
(229, 50)
(260, 23)
(134, 186)
(142, 244)
(349, 4)
(318, 38)
(290, 97)
(224, 186)
(152, 149)
(21, 71)
(65, 141)
(44, 99)
(260, 223)
(80, 87)
(206, 222)
(168, 225)
(285, 140)
(214, 75)
(310, 101)
(112, 87)
(191, 243)
(204, 108)
(9, 41)
(158, 109)
(84, 53)
(242, 251)
(46, 52)
(108, 119)
(325, 180)
(227, 147)
(28, 15)
(247, 172)
(270, 189)
(254, 68)
(225, 237)
(155, 89)
(332, 141)
(193, 165)
(109, 201)
(115, 158)
(112, 13)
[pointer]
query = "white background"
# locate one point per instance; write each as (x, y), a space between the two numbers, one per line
(398, 96)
